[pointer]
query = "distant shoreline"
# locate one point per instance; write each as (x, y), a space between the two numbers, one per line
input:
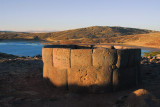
(45, 42)
(23, 40)
(130, 45)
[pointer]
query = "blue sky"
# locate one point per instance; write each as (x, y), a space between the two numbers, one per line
(55, 15)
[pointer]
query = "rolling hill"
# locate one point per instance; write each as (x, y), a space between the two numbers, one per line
(97, 32)
(94, 34)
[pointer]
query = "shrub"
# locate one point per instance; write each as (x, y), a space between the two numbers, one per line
(154, 53)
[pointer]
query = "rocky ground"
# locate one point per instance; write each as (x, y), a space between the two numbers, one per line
(22, 85)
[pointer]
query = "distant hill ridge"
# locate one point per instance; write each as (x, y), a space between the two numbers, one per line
(98, 32)
(88, 32)
(6, 31)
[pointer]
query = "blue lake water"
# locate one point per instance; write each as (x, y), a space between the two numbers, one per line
(21, 48)
(32, 48)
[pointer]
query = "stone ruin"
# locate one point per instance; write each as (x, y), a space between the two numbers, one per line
(91, 68)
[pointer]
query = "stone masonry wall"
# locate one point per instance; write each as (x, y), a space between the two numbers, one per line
(81, 68)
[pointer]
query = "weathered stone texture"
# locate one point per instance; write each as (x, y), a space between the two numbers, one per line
(123, 56)
(104, 57)
(115, 79)
(81, 57)
(58, 77)
(47, 61)
(99, 56)
(89, 77)
(111, 57)
(61, 58)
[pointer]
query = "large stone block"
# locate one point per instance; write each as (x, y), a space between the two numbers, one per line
(81, 57)
(138, 57)
(126, 77)
(111, 57)
(134, 57)
(61, 58)
(123, 56)
(104, 57)
(115, 79)
(90, 78)
(47, 54)
(131, 58)
(99, 56)
(47, 61)
(58, 77)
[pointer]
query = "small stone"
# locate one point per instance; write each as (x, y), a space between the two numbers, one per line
(37, 56)
(144, 61)
(154, 57)
(152, 61)
(158, 56)
(149, 57)
(112, 47)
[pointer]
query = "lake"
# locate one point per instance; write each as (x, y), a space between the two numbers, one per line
(32, 48)
(21, 47)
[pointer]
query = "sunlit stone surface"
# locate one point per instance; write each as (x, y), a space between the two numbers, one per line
(91, 68)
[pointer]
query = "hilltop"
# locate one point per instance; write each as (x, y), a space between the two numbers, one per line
(94, 34)
(97, 32)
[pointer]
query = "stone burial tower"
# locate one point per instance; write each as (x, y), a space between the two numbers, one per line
(91, 69)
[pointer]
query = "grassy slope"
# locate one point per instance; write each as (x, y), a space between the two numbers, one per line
(96, 32)
(148, 40)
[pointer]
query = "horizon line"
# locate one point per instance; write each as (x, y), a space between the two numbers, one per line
(49, 31)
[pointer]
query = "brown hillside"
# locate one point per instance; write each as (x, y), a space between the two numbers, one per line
(147, 40)
(95, 34)
(89, 32)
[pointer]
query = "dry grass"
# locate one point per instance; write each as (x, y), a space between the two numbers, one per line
(147, 40)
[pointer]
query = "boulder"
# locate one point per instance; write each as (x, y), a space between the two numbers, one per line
(141, 98)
